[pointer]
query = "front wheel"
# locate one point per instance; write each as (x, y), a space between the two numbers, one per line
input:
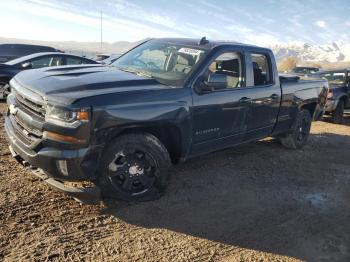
(134, 168)
(337, 114)
(299, 134)
(4, 89)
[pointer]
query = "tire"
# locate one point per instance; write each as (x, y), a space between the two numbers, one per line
(134, 168)
(337, 114)
(299, 134)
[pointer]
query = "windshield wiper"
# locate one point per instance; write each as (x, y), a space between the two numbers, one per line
(139, 73)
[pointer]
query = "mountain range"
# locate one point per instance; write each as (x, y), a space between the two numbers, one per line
(332, 53)
(336, 53)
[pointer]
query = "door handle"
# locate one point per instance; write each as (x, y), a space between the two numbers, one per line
(245, 100)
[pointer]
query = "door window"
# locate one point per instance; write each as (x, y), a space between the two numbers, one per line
(46, 61)
(230, 65)
(261, 69)
(56, 61)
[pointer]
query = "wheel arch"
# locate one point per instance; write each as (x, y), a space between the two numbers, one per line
(311, 107)
(5, 78)
(168, 134)
(345, 98)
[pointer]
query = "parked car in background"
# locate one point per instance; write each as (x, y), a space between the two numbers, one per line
(339, 93)
(12, 51)
(110, 59)
(100, 57)
(38, 60)
(164, 101)
(304, 70)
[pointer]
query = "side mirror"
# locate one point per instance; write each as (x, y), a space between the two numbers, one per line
(216, 82)
(27, 65)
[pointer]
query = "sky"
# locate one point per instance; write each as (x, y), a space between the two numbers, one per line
(264, 22)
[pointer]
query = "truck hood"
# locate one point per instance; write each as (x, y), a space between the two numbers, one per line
(66, 84)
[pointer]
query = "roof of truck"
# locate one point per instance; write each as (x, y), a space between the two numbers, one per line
(209, 44)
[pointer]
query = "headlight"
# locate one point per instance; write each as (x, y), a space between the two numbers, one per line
(65, 117)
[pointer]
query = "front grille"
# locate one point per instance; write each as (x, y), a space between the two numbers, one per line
(36, 109)
(26, 136)
(30, 111)
(28, 128)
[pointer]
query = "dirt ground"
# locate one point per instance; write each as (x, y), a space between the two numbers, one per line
(257, 202)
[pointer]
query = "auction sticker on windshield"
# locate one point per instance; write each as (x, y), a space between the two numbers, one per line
(190, 51)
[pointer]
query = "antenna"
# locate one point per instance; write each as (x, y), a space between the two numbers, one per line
(203, 41)
(101, 33)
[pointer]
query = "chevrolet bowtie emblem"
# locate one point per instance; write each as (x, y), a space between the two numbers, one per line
(13, 110)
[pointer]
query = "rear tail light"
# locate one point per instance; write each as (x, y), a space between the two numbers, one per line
(330, 93)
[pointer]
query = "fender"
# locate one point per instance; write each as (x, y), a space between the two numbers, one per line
(160, 118)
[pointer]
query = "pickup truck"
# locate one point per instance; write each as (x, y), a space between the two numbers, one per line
(163, 102)
(338, 94)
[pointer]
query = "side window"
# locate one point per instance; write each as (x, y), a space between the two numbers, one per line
(83, 61)
(230, 65)
(41, 62)
(261, 69)
(56, 61)
(73, 61)
(338, 78)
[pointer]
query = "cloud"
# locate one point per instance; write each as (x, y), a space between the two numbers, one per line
(115, 27)
(320, 23)
(262, 39)
(239, 29)
(133, 20)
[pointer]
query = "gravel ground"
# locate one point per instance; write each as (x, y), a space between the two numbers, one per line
(257, 202)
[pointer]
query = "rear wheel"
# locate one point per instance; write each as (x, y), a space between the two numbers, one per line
(134, 168)
(337, 114)
(299, 134)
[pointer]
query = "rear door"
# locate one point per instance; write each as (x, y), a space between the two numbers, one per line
(264, 95)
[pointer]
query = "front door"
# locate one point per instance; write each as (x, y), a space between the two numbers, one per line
(220, 114)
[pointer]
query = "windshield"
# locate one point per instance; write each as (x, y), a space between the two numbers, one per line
(166, 62)
(334, 78)
(16, 61)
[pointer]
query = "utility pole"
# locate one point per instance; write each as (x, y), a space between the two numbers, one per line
(101, 33)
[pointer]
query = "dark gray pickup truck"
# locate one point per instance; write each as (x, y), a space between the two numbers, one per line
(338, 94)
(163, 102)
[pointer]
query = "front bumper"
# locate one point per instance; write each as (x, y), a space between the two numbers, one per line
(44, 164)
(66, 165)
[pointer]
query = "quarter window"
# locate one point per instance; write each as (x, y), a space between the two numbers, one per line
(73, 61)
(261, 69)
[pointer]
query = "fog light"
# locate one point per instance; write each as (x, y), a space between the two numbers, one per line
(62, 165)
